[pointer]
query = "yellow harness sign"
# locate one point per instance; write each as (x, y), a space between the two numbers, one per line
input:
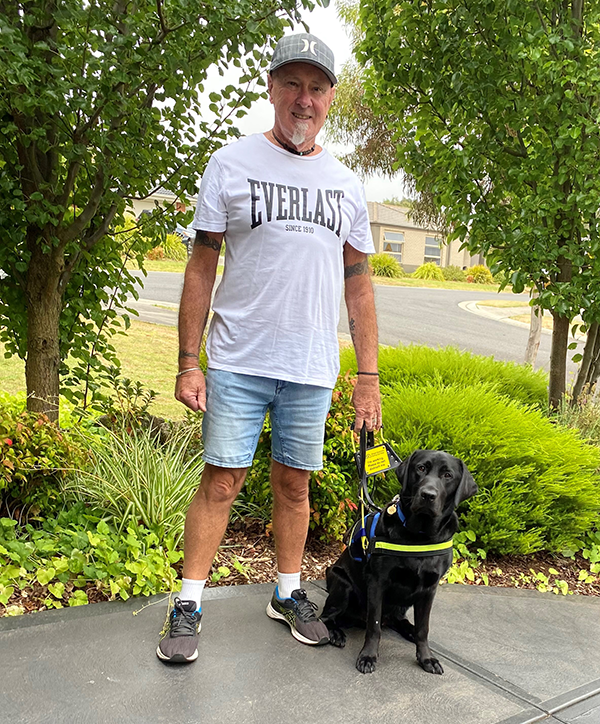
(376, 460)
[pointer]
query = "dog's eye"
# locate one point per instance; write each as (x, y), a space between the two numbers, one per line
(421, 468)
(448, 475)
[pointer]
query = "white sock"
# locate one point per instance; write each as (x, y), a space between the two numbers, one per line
(286, 583)
(191, 590)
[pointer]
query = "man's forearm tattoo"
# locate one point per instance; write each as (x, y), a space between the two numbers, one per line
(183, 353)
(361, 268)
(352, 325)
(203, 239)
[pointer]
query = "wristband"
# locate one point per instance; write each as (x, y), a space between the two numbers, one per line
(190, 369)
(374, 374)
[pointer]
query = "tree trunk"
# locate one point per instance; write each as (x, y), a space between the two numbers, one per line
(587, 376)
(560, 343)
(43, 314)
(558, 361)
(535, 332)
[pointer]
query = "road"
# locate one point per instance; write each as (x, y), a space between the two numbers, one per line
(405, 315)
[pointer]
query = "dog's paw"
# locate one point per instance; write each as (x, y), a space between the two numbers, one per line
(366, 664)
(337, 637)
(431, 666)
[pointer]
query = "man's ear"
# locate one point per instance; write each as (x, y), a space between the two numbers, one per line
(467, 487)
(270, 86)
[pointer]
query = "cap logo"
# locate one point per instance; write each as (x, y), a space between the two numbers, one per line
(308, 45)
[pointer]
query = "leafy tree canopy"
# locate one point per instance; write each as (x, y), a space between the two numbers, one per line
(99, 105)
(496, 105)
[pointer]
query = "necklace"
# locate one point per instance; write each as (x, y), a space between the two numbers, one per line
(290, 149)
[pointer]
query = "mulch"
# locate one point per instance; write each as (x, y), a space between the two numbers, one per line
(248, 552)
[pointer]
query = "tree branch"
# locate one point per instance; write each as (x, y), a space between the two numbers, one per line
(88, 213)
(86, 245)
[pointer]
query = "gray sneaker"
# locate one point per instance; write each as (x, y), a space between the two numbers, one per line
(299, 614)
(179, 640)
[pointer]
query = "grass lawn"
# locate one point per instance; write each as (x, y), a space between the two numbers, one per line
(166, 265)
(501, 303)
(547, 322)
(148, 353)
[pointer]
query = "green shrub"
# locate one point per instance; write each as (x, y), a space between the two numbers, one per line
(422, 365)
(76, 550)
(501, 277)
(428, 271)
(333, 490)
(174, 248)
(171, 248)
(35, 455)
(132, 477)
(454, 273)
(539, 486)
(481, 274)
(384, 265)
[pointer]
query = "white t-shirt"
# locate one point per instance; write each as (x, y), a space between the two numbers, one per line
(286, 219)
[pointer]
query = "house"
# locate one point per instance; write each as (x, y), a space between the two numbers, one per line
(159, 198)
(412, 245)
(393, 233)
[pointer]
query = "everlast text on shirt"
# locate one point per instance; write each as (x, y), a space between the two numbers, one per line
(278, 202)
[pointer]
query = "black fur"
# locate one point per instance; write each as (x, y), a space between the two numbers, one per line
(381, 590)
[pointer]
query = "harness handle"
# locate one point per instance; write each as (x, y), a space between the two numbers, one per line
(366, 439)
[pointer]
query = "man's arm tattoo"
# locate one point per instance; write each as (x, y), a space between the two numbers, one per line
(183, 353)
(355, 269)
(352, 325)
(203, 239)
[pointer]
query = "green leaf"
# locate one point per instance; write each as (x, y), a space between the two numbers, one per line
(44, 576)
(57, 589)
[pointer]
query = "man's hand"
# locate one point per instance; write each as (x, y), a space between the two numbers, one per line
(367, 403)
(190, 389)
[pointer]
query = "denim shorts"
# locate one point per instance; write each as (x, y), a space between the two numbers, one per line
(236, 406)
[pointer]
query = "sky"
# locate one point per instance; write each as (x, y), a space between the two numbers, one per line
(325, 24)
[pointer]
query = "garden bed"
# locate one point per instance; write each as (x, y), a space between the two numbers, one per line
(253, 548)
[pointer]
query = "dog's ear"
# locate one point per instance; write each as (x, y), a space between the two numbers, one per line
(467, 487)
(402, 472)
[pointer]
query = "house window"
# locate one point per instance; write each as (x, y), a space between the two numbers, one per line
(433, 251)
(392, 244)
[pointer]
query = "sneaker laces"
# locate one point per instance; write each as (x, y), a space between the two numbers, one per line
(304, 608)
(183, 623)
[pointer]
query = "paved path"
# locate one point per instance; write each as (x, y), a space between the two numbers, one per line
(510, 657)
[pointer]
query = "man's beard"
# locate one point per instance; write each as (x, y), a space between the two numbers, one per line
(299, 134)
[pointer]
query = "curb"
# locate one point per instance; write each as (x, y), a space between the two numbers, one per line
(474, 308)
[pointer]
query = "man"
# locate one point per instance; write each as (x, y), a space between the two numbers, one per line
(296, 224)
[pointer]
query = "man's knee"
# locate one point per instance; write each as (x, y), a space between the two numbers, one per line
(221, 485)
(290, 485)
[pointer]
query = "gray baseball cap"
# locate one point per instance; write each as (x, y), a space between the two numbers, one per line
(304, 48)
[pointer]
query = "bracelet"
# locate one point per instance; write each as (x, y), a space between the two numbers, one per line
(374, 374)
(190, 369)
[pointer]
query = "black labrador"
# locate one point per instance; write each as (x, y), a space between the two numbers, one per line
(409, 552)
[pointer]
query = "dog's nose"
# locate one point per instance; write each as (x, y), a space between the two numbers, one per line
(428, 496)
